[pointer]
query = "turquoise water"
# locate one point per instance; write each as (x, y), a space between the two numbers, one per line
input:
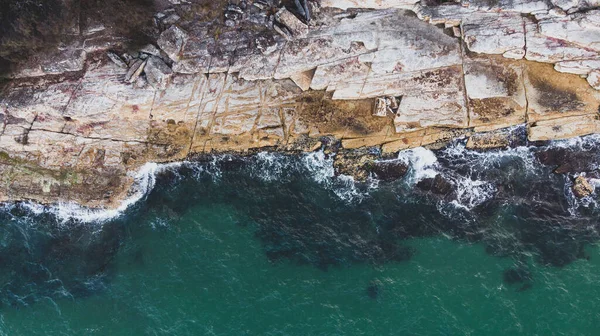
(275, 246)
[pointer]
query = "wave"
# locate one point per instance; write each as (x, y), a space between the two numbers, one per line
(144, 181)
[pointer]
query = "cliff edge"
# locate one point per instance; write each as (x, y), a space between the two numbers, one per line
(240, 76)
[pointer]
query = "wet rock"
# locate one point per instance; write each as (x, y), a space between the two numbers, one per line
(582, 188)
(437, 185)
(388, 170)
(355, 164)
(157, 72)
(568, 160)
(172, 41)
(498, 139)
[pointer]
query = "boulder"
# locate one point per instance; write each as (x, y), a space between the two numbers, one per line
(438, 185)
(582, 187)
(291, 22)
(353, 164)
(172, 41)
(388, 170)
(157, 73)
(150, 49)
(568, 161)
(116, 59)
(136, 69)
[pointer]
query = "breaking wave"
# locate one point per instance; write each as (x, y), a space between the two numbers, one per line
(144, 181)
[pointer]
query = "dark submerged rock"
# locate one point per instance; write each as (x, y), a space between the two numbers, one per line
(374, 289)
(570, 161)
(438, 185)
(388, 170)
(516, 275)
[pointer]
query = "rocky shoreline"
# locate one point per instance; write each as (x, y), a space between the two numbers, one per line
(244, 76)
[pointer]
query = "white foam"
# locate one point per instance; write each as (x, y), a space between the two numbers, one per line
(471, 193)
(270, 166)
(423, 163)
(144, 181)
(320, 167)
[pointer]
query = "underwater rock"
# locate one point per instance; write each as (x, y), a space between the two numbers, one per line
(374, 289)
(581, 187)
(516, 275)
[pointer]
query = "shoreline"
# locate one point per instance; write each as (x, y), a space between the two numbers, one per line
(337, 164)
(76, 129)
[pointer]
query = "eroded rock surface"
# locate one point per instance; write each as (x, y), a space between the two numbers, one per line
(257, 74)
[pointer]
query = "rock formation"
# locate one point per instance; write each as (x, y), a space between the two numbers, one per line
(581, 187)
(393, 74)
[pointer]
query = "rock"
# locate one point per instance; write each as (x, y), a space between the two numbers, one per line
(157, 72)
(353, 163)
(166, 19)
(135, 70)
(552, 95)
(150, 49)
(542, 48)
(517, 275)
(581, 28)
(303, 79)
(242, 89)
(565, 4)
(172, 41)
(437, 185)
(594, 79)
(374, 4)
(495, 91)
(501, 138)
(580, 67)
(568, 160)
(564, 128)
(386, 106)
(63, 61)
(267, 45)
(388, 170)
(116, 59)
(491, 33)
(291, 22)
(582, 188)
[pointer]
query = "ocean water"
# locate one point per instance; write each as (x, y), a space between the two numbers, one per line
(277, 245)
